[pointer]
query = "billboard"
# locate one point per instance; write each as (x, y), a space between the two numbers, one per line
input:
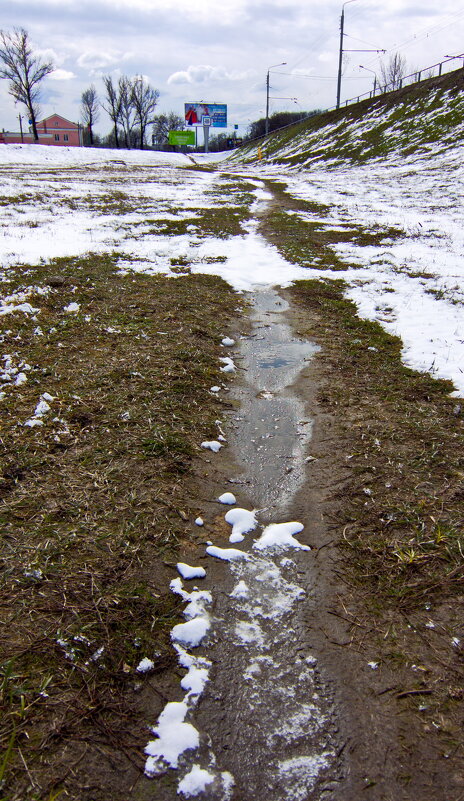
(217, 112)
(181, 138)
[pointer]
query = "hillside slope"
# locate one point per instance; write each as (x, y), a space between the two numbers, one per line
(419, 119)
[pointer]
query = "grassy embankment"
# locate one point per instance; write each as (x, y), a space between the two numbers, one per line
(398, 124)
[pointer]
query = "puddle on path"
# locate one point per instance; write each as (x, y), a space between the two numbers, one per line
(271, 430)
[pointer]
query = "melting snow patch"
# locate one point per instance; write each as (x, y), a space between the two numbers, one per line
(228, 342)
(195, 680)
(199, 521)
(194, 782)
(280, 535)
(300, 774)
(227, 498)
(212, 445)
(145, 665)
(26, 308)
(72, 308)
(242, 521)
(174, 737)
(240, 590)
(226, 554)
(229, 366)
(249, 633)
(188, 572)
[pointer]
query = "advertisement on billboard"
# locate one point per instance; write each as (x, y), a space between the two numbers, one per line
(181, 138)
(217, 113)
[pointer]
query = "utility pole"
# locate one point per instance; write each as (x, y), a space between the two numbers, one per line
(340, 55)
(21, 128)
(266, 128)
(282, 63)
(342, 50)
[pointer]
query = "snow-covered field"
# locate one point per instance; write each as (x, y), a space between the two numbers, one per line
(412, 285)
(55, 203)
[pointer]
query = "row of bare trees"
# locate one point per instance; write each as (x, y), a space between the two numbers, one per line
(130, 104)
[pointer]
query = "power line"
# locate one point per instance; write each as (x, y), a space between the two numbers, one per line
(311, 77)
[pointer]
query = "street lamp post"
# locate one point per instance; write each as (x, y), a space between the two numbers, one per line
(340, 55)
(266, 129)
(374, 74)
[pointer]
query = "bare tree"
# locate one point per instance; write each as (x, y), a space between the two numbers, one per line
(144, 99)
(125, 89)
(163, 123)
(113, 105)
(24, 71)
(392, 72)
(89, 109)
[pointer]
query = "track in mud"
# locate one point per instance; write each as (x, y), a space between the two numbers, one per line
(264, 722)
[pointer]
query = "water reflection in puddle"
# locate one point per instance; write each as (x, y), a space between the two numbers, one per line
(271, 431)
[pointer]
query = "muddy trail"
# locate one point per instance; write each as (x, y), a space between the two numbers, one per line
(281, 700)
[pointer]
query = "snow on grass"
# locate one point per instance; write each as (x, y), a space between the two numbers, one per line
(145, 665)
(413, 286)
(72, 308)
(42, 408)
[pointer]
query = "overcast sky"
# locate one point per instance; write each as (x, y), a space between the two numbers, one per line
(220, 50)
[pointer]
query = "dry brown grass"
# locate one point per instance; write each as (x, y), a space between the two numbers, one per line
(94, 502)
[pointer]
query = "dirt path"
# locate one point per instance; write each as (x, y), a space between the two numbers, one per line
(306, 699)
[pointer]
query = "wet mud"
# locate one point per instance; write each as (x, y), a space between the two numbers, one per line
(266, 718)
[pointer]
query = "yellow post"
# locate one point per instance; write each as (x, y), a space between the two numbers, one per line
(260, 153)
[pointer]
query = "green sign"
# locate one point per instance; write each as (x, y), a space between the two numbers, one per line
(181, 138)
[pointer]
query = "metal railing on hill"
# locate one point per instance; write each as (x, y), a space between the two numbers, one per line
(434, 71)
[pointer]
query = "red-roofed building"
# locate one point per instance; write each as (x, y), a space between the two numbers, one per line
(54, 130)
